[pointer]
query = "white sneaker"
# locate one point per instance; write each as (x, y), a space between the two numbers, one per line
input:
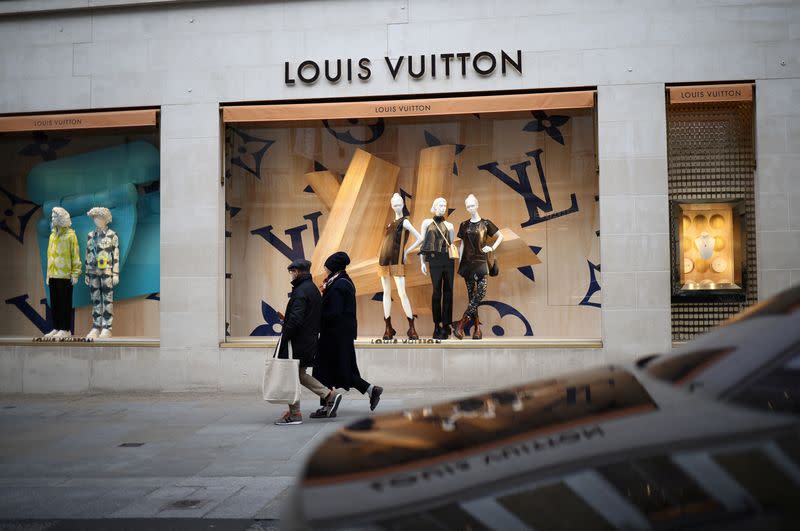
(51, 333)
(105, 334)
(62, 334)
(93, 333)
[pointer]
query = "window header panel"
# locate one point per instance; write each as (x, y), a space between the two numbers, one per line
(409, 107)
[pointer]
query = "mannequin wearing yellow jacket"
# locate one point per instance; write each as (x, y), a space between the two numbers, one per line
(63, 270)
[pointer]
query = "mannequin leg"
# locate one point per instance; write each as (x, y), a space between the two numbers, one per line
(386, 283)
(389, 331)
(436, 298)
(447, 298)
(400, 282)
(108, 303)
(95, 294)
(401, 292)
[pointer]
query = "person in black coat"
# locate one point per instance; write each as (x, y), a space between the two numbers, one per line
(336, 365)
(301, 331)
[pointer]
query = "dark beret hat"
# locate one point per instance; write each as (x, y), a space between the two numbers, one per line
(337, 261)
(300, 264)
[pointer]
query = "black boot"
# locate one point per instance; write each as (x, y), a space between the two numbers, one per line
(389, 332)
(437, 331)
(445, 333)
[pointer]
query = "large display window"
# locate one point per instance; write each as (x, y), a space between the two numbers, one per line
(79, 232)
(393, 184)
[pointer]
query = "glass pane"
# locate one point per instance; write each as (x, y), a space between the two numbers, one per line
(554, 508)
(681, 368)
(440, 519)
(661, 490)
(763, 479)
(534, 179)
(80, 170)
(538, 417)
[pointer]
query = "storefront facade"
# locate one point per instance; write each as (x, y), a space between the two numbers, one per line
(638, 160)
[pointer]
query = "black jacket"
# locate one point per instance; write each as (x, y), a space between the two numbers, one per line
(301, 321)
(336, 364)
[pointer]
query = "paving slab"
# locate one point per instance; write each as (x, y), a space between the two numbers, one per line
(195, 461)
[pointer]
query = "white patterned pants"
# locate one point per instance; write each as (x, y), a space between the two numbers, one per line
(101, 291)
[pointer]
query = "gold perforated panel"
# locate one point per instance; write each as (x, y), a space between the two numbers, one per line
(711, 156)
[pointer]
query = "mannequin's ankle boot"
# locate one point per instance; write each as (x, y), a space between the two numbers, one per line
(445, 333)
(462, 323)
(389, 332)
(412, 332)
(437, 331)
(477, 334)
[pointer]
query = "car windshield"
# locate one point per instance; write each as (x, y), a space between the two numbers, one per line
(387, 443)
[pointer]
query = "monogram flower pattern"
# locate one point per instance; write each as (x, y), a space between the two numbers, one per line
(16, 213)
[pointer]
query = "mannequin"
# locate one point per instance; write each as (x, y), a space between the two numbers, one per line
(475, 233)
(63, 270)
(391, 262)
(102, 271)
(705, 244)
(438, 235)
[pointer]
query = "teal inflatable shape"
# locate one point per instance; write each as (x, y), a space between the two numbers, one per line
(106, 177)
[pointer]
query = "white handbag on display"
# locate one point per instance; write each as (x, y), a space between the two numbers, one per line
(281, 383)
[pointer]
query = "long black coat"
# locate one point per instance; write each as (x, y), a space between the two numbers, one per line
(336, 363)
(301, 321)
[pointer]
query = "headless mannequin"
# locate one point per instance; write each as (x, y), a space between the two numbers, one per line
(475, 279)
(442, 269)
(399, 280)
(102, 274)
(61, 288)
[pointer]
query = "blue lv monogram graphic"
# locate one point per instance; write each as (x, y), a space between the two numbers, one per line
(522, 185)
(44, 324)
(295, 236)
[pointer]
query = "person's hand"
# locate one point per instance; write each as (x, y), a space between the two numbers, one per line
(424, 268)
(487, 249)
(74, 280)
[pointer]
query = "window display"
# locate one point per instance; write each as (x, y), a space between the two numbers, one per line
(57, 185)
(710, 248)
(306, 188)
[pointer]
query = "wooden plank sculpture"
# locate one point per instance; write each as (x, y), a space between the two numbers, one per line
(434, 179)
(355, 224)
(357, 219)
(326, 185)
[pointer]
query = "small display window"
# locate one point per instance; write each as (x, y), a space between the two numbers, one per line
(708, 254)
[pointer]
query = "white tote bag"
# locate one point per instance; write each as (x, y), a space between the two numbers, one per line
(281, 383)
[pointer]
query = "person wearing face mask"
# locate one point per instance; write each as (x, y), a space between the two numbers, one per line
(474, 267)
(63, 270)
(435, 255)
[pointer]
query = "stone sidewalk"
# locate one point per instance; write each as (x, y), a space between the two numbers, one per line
(196, 456)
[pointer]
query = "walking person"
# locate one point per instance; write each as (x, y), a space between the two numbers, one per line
(336, 365)
(301, 331)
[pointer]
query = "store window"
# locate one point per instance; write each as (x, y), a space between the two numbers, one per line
(711, 167)
(100, 173)
(307, 180)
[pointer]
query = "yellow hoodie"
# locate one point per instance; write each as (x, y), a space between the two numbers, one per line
(63, 254)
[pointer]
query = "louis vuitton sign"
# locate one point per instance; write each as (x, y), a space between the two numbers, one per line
(431, 66)
(711, 93)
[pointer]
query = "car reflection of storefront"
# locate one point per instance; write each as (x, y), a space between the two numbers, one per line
(707, 435)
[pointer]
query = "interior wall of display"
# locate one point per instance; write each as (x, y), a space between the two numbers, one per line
(711, 157)
(534, 174)
(79, 169)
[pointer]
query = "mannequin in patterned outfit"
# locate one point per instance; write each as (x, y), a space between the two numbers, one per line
(475, 233)
(102, 271)
(63, 270)
(391, 265)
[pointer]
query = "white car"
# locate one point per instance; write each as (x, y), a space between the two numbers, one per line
(706, 437)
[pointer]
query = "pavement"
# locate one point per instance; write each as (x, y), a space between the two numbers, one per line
(163, 461)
